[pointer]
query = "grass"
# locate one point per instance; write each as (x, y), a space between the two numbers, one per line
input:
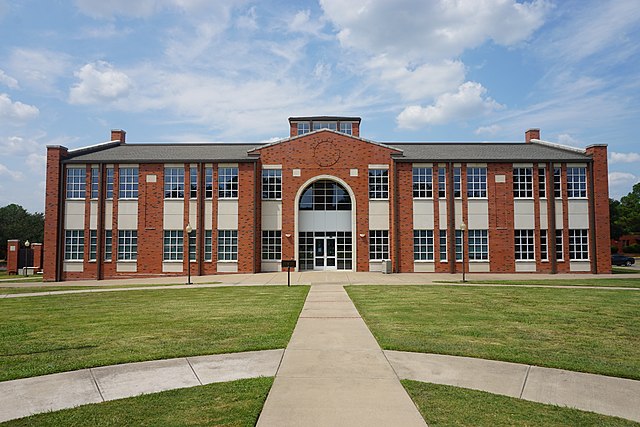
(627, 282)
(442, 405)
(52, 288)
(62, 333)
(623, 270)
(581, 330)
(236, 403)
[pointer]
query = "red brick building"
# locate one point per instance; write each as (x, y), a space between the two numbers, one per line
(329, 199)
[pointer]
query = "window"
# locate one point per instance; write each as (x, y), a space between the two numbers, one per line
(73, 245)
(303, 127)
(423, 245)
(344, 246)
(524, 245)
(522, 183)
(193, 239)
(94, 183)
(93, 244)
(228, 183)
(542, 183)
(227, 245)
(422, 183)
(578, 244)
(576, 182)
(128, 184)
(325, 195)
(173, 245)
(193, 180)
(271, 245)
(76, 183)
(478, 245)
(271, 184)
(208, 245)
(108, 245)
(458, 245)
(173, 183)
(443, 245)
(378, 183)
(345, 127)
(559, 250)
(557, 178)
(378, 244)
(457, 182)
(109, 183)
(127, 245)
(324, 125)
(208, 183)
(544, 246)
(442, 183)
(476, 182)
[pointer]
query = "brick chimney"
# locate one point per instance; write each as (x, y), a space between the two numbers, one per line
(531, 134)
(118, 135)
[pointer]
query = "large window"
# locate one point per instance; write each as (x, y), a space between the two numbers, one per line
(524, 245)
(227, 245)
(544, 246)
(108, 245)
(325, 195)
(522, 183)
(303, 127)
(423, 245)
(76, 183)
(271, 184)
(378, 244)
(95, 176)
(457, 182)
(193, 240)
(193, 181)
(271, 245)
(345, 127)
(557, 182)
(559, 246)
(542, 183)
(173, 245)
(422, 183)
(208, 183)
(208, 245)
(73, 245)
(128, 183)
(127, 245)
(476, 182)
(577, 182)
(174, 183)
(478, 245)
(109, 191)
(442, 183)
(378, 183)
(443, 245)
(93, 244)
(578, 244)
(459, 245)
(228, 183)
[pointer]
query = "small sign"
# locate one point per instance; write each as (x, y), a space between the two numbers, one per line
(12, 248)
(289, 263)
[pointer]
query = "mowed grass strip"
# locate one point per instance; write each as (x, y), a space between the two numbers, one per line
(236, 403)
(577, 329)
(24, 289)
(620, 283)
(51, 334)
(442, 405)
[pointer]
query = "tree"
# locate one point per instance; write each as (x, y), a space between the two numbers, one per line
(17, 223)
(617, 230)
(625, 214)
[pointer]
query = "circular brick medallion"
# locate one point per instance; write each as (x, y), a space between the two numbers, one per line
(326, 153)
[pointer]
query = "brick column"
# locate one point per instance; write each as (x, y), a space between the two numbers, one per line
(13, 249)
(37, 256)
(599, 230)
(54, 211)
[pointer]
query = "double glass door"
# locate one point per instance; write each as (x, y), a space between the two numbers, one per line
(324, 253)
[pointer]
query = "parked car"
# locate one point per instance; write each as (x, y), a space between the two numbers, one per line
(618, 259)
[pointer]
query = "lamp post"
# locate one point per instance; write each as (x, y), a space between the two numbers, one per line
(188, 229)
(463, 227)
(26, 257)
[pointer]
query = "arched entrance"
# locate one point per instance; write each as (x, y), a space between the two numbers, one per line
(324, 225)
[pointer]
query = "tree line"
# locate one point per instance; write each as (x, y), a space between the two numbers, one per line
(17, 223)
(625, 214)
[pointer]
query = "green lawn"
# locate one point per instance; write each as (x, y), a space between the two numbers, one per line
(627, 282)
(50, 288)
(236, 403)
(577, 329)
(442, 405)
(624, 270)
(61, 333)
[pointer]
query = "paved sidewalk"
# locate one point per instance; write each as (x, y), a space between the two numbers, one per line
(333, 372)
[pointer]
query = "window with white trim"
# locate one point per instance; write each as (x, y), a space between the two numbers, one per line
(74, 245)
(208, 245)
(193, 240)
(271, 184)
(208, 183)
(93, 244)
(227, 183)
(108, 245)
(271, 245)
(422, 183)
(522, 183)
(324, 125)
(109, 192)
(193, 183)
(76, 183)
(379, 244)
(423, 245)
(378, 183)
(525, 245)
(577, 182)
(544, 245)
(557, 182)
(457, 182)
(442, 183)
(128, 188)
(559, 246)
(227, 245)
(173, 183)
(476, 182)
(173, 245)
(346, 128)
(459, 243)
(578, 244)
(542, 183)
(127, 245)
(478, 245)
(95, 176)
(303, 127)
(443, 245)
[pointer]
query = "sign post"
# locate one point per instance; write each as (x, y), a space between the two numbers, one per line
(289, 263)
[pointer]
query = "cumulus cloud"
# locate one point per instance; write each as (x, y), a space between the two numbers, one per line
(469, 101)
(14, 175)
(37, 163)
(39, 68)
(615, 157)
(488, 130)
(566, 139)
(8, 81)
(15, 112)
(109, 9)
(99, 82)
(621, 182)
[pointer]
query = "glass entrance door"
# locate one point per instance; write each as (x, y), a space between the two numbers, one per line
(325, 253)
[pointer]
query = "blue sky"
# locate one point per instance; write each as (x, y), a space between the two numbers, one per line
(234, 70)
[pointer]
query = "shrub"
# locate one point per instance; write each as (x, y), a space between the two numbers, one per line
(632, 249)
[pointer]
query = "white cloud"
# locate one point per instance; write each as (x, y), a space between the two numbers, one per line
(469, 101)
(37, 163)
(108, 31)
(15, 112)
(99, 82)
(14, 175)
(8, 81)
(111, 8)
(488, 130)
(566, 139)
(39, 68)
(615, 157)
(248, 21)
(620, 183)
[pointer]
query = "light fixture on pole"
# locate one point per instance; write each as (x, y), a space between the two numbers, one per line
(463, 227)
(188, 229)
(26, 257)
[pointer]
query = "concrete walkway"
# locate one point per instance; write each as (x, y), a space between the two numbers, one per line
(333, 372)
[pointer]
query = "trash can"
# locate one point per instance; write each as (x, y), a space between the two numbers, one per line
(386, 266)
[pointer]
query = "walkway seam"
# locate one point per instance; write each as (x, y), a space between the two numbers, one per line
(95, 382)
(524, 383)
(193, 370)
